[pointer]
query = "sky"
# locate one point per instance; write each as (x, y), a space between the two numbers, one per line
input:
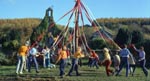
(10, 9)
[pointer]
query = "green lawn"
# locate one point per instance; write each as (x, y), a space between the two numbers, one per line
(7, 73)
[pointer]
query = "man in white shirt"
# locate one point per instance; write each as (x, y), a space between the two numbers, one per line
(33, 53)
(142, 59)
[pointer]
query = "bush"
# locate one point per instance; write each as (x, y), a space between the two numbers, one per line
(98, 43)
(137, 37)
(5, 44)
(14, 44)
(3, 59)
(123, 37)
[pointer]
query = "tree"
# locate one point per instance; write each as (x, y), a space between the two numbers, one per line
(98, 43)
(123, 36)
(137, 37)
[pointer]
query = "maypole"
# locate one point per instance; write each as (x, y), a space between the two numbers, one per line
(76, 24)
(77, 12)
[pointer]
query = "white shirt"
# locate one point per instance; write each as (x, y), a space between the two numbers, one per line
(141, 54)
(46, 53)
(33, 51)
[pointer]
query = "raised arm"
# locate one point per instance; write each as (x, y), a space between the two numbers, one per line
(135, 48)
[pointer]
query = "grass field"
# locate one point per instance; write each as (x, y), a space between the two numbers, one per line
(7, 73)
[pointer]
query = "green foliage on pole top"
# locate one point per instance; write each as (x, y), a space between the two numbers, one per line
(55, 31)
(42, 28)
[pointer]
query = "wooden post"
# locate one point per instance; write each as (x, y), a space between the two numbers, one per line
(76, 26)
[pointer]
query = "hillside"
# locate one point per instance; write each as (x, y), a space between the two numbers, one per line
(113, 24)
(19, 23)
(23, 26)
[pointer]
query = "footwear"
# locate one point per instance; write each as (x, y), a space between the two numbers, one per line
(37, 71)
(113, 73)
(69, 75)
(29, 71)
(78, 75)
(146, 74)
(21, 73)
(117, 74)
(64, 73)
(17, 73)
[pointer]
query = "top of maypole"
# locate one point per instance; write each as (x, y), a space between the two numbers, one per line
(78, 1)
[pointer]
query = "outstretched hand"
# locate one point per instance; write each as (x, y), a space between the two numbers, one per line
(132, 45)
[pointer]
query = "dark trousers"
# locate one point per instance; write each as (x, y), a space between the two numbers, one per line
(32, 59)
(74, 66)
(90, 62)
(62, 66)
(124, 61)
(95, 63)
(142, 64)
(47, 62)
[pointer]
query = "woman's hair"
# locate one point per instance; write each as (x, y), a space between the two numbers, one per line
(142, 48)
(105, 50)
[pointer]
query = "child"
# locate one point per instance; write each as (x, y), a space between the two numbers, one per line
(94, 59)
(116, 59)
(62, 57)
(75, 60)
(107, 61)
(46, 59)
(21, 58)
(132, 64)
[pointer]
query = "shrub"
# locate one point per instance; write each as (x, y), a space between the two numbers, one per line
(98, 43)
(123, 37)
(14, 44)
(3, 59)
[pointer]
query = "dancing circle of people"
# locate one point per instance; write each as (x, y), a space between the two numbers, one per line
(122, 57)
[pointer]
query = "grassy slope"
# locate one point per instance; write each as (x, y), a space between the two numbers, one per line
(7, 73)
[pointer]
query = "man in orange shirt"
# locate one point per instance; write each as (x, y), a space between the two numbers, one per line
(21, 58)
(62, 57)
